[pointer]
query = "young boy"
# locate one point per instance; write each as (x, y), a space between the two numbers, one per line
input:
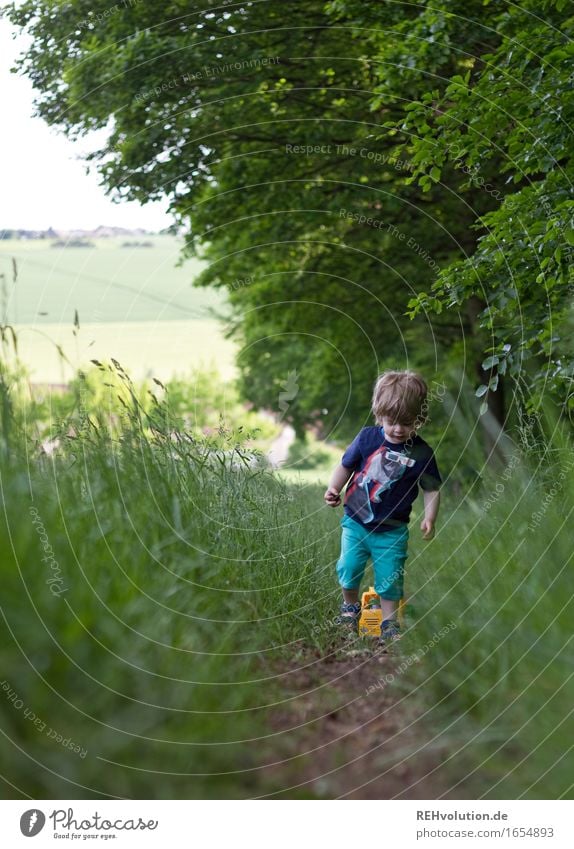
(385, 464)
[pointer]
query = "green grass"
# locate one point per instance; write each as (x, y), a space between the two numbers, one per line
(499, 686)
(180, 582)
(310, 462)
(186, 585)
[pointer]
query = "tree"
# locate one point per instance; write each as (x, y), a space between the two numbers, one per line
(278, 131)
(505, 113)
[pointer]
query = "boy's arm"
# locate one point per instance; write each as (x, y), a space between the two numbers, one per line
(338, 480)
(432, 504)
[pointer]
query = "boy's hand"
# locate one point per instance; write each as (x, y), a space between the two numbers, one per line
(332, 497)
(427, 527)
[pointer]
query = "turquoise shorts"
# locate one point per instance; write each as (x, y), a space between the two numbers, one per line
(388, 550)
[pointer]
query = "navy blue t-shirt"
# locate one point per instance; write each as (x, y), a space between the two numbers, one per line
(386, 477)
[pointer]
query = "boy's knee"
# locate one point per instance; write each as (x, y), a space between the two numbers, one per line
(390, 586)
(390, 595)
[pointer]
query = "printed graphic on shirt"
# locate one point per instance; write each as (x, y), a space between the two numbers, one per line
(380, 472)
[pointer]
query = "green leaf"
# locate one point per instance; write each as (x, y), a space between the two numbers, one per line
(490, 362)
(482, 390)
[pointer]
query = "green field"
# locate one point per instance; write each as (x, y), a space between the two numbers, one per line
(161, 349)
(133, 304)
(105, 283)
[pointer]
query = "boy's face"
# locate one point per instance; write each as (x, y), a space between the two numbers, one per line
(398, 431)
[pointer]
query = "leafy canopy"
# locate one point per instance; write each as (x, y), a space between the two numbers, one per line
(347, 170)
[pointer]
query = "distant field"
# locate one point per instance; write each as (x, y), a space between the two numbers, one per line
(133, 305)
(161, 349)
(105, 283)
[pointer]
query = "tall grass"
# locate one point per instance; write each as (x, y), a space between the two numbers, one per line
(499, 687)
(178, 583)
(174, 577)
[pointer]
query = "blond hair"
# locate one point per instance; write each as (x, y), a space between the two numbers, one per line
(401, 397)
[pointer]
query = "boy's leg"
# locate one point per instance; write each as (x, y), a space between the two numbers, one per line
(389, 608)
(350, 596)
(351, 567)
(389, 552)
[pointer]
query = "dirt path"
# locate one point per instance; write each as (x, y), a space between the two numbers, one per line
(348, 731)
(279, 451)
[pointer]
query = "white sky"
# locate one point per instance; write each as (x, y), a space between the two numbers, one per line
(42, 182)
